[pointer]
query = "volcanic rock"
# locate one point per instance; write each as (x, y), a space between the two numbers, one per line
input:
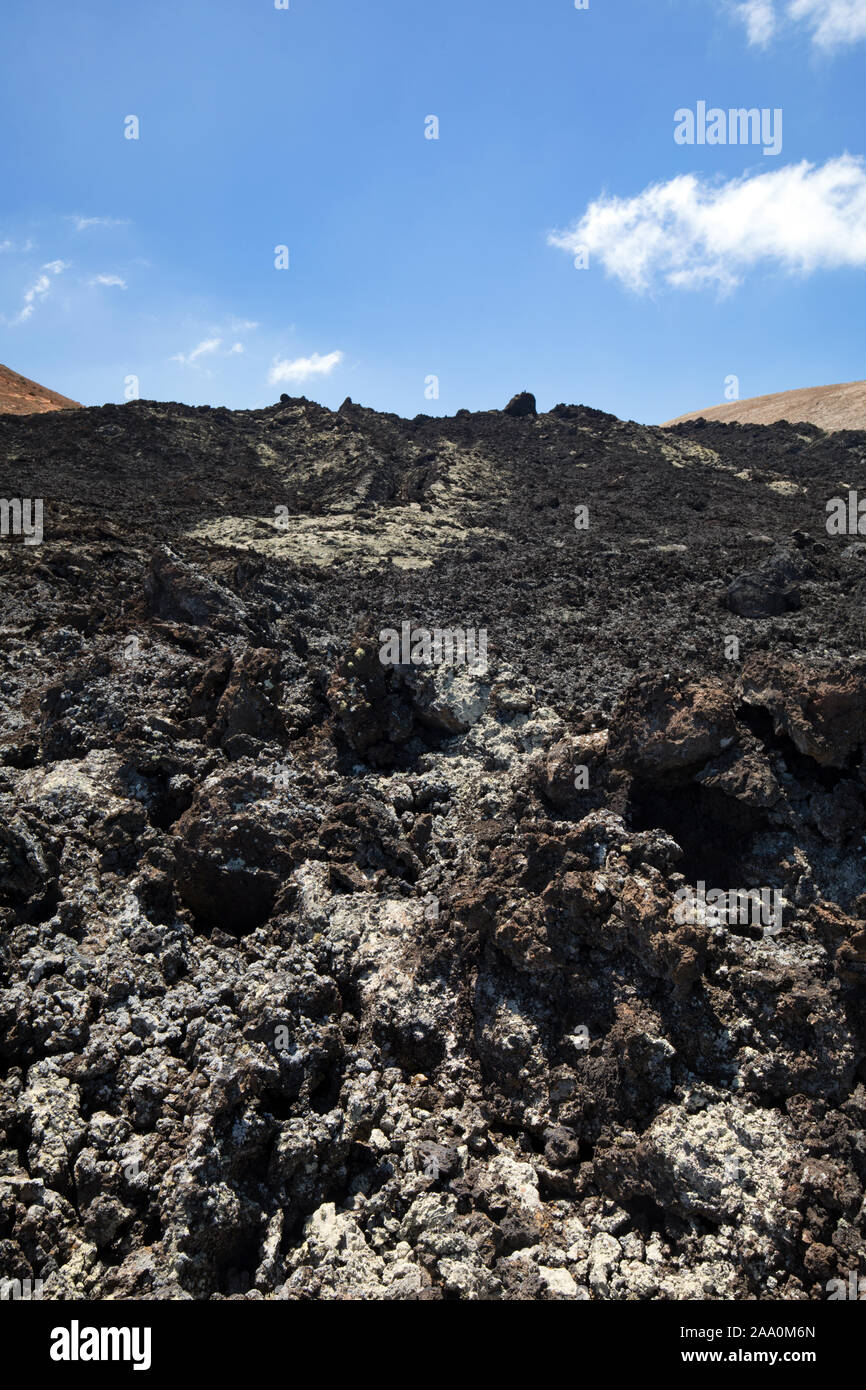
(327, 976)
(521, 405)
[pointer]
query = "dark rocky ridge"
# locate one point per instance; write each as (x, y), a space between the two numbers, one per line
(323, 979)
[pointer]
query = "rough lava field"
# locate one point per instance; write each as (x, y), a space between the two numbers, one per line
(325, 979)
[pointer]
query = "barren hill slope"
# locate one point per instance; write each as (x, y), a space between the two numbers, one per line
(329, 977)
(840, 407)
(20, 396)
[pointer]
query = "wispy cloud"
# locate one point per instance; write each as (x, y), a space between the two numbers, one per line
(81, 224)
(38, 291)
(220, 342)
(831, 24)
(108, 280)
(12, 246)
(691, 232)
(759, 17)
(204, 349)
(303, 368)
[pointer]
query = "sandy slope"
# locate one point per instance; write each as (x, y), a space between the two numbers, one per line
(840, 407)
(20, 396)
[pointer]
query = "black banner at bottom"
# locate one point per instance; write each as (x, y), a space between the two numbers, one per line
(223, 1337)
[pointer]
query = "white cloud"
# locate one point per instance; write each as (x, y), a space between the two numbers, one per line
(216, 344)
(37, 292)
(759, 17)
(693, 232)
(9, 245)
(108, 280)
(39, 289)
(302, 368)
(204, 349)
(82, 223)
(831, 23)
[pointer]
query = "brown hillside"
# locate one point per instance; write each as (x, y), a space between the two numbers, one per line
(20, 396)
(840, 407)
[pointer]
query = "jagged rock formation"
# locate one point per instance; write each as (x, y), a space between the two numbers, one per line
(324, 978)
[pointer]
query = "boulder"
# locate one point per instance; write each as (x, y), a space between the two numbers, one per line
(521, 405)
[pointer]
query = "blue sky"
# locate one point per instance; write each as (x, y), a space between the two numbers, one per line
(411, 257)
